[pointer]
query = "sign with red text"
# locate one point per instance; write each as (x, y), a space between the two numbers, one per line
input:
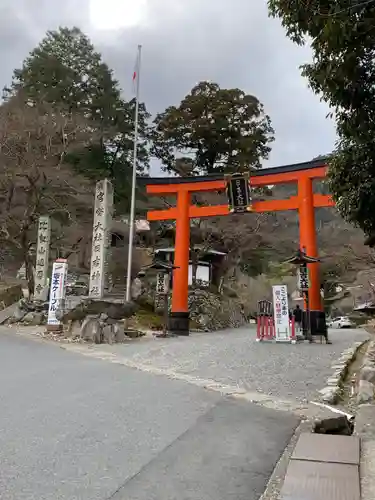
(281, 313)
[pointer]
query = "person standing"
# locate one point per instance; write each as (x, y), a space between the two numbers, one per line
(297, 313)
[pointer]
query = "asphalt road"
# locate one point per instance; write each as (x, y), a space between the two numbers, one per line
(76, 428)
(232, 357)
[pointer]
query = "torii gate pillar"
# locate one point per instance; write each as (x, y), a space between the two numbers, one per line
(178, 321)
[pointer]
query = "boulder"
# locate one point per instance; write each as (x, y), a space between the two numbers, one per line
(334, 381)
(330, 394)
(335, 425)
(108, 334)
(9, 295)
(365, 392)
(113, 310)
(119, 333)
(18, 314)
(368, 373)
(91, 330)
(34, 318)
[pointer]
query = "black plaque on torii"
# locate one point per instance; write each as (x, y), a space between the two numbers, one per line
(239, 193)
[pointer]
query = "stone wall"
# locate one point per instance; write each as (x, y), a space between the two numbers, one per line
(366, 377)
(10, 295)
(214, 312)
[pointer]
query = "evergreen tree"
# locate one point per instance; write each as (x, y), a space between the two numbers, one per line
(218, 129)
(342, 69)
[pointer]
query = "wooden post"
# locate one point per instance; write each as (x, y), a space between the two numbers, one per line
(179, 317)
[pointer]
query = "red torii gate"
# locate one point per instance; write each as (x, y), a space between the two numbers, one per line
(305, 202)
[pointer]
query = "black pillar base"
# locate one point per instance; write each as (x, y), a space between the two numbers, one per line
(317, 323)
(178, 323)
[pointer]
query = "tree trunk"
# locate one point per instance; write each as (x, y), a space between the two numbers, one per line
(82, 255)
(29, 273)
(25, 245)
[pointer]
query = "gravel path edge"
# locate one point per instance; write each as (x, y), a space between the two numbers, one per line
(331, 392)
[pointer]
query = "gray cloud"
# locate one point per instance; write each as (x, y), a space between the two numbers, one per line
(185, 41)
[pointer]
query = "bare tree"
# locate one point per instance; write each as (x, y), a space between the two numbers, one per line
(34, 178)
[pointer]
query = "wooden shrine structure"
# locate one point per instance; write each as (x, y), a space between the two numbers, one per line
(305, 203)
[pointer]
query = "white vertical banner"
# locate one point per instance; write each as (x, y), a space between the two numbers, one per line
(57, 291)
(42, 258)
(281, 313)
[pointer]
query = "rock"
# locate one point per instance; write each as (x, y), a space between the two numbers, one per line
(136, 289)
(91, 330)
(40, 305)
(18, 314)
(73, 329)
(365, 422)
(10, 295)
(339, 374)
(334, 381)
(336, 425)
(329, 394)
(34, 318)
(368, 373)
(110, 321)
(27, 305)
(76, 314)
(365, 392)
(339, 367)
(90, 307)
(134, 334)
(119, 332)
(108, 334)
(112, 309)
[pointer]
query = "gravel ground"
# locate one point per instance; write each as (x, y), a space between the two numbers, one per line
(233, 357)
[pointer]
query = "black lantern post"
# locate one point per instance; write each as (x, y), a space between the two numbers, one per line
(301, 260)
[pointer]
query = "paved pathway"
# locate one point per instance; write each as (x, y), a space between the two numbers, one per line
(234, 358)
(77, 428)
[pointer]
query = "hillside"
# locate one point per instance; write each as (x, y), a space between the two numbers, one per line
(341, 246)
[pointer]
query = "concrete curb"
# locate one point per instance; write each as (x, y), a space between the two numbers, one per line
(330, 394)
(275, 482)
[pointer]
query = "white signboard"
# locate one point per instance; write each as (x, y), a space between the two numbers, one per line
(57, 290)
(281, 313)
(202, 275)
(42, 258)
(101, 238)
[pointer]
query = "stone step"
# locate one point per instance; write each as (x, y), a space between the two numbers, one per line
(323, 467)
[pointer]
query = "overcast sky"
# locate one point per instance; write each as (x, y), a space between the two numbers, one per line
(184, 41)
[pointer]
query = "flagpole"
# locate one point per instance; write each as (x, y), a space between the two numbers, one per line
(134, 177)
